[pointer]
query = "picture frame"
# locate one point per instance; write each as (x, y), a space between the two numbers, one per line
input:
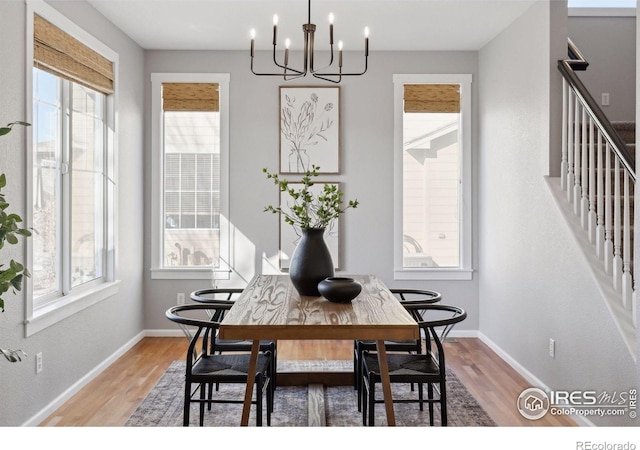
(309, 129)
(290, 235)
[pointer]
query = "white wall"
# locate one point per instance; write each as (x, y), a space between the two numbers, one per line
(609, 45)
(367, 167)
(534, 283)
(77, 345)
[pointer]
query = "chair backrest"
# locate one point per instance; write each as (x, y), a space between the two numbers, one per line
(436, 316)
(185, 316)
(216, 296)
(416, 295)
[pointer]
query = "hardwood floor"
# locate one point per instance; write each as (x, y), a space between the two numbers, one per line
(111, 397)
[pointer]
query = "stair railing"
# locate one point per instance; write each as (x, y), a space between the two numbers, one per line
(598, 175)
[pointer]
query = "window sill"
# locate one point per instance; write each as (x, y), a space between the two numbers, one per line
(67, 306)
(188, 274)
(432, 274)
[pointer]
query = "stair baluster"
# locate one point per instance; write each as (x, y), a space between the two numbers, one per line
(592, 218)
(576, 160)
(584, 198)
(564, 166)
(617, 228)
(600, 201)
(570, 151)
(627, 279)
(608, 216)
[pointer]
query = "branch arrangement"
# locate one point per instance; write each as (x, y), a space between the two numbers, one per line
(309, 210)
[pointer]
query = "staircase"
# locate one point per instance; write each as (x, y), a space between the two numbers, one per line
(597, 182)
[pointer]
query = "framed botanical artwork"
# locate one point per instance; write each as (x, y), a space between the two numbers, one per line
(290, 235)
(309, 128)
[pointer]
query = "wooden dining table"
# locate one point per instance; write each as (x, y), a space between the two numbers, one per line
(270, 308)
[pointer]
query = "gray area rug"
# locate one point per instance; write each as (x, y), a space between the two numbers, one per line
(163, 406)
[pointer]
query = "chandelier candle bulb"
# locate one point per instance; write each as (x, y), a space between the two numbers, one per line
(331, 29)
(366, 41)
(340, 54)
(275, 28)
(287, 43)
(253, 41)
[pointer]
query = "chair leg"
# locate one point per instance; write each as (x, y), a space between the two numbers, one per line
(356, 380)
(187, 404)
(259, 382)
(372, 400)
(203, 392)
(363, 400)
(274, 371)
(269, 401)
(443, 403)
(420, 396)
(430, 397)
(359, 373)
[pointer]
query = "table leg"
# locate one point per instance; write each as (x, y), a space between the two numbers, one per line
(386, 382)
(251, 378)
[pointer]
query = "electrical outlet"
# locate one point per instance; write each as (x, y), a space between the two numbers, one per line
(605, 99)
(39, 362)
(180, 298)
(552, 348)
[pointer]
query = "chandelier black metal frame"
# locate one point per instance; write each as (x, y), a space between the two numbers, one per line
(308, 29)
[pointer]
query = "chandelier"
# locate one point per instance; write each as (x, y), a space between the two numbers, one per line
(326, 73)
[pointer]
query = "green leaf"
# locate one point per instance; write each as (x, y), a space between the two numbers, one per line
(17, 283)
(4, 130)
(3, 180)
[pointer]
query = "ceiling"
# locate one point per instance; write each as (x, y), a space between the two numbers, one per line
(410, 25)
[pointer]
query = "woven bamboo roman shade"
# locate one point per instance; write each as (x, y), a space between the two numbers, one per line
(431, 98)
(190, 97)
(62, 55)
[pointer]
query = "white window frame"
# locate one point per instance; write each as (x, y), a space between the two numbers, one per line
(157, 167)
(464, 271)
(41, 317)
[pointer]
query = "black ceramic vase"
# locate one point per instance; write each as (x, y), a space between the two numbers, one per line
(311, 262)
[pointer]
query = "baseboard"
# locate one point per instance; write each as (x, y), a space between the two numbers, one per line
(526, 374)
(82, 382)
(163, 333)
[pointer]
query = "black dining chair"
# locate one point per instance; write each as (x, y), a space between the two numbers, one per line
(405, 297)
(228, 296)
(204, 368)
(427, 367)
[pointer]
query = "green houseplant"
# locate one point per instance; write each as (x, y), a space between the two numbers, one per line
(310, 212)
(11, 276)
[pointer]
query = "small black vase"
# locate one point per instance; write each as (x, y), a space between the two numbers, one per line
(311, 262)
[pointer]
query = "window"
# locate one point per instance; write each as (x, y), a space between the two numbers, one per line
(601, 3)
(190, 135)
(432, 235)
(71, 253)
(602, 8)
